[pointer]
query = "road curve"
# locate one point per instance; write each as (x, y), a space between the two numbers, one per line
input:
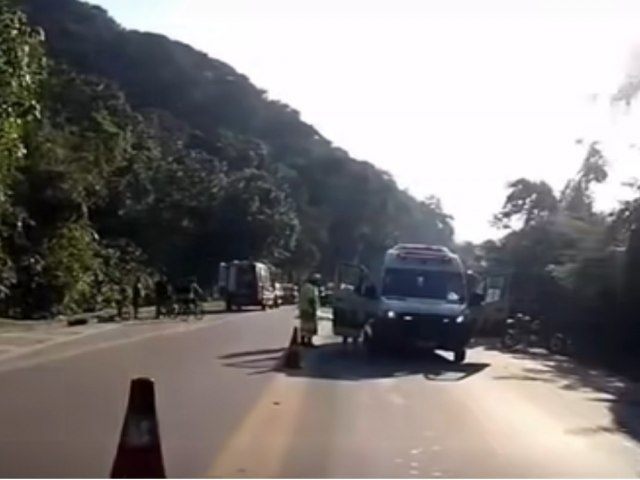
(226, 411)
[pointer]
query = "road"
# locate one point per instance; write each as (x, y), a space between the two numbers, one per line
(226, 410)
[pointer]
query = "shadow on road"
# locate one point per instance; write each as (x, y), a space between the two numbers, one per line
(334, 361)
(621, 393)
(252, 353)
(256, 362)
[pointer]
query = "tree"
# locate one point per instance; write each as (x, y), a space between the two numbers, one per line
(577, 198)
(21, 71)
(527, 202)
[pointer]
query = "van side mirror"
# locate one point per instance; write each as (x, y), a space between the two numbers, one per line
(476, 299)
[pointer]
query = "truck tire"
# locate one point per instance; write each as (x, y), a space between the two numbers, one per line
(459, 356)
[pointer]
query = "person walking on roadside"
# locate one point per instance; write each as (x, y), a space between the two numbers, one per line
(308, 304)
(161, 288)
(122, 299)
(137, 295)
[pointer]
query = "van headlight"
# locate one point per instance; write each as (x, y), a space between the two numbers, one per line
(390, 314)
(460, 319)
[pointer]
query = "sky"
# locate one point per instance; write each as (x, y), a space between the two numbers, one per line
(454, 98)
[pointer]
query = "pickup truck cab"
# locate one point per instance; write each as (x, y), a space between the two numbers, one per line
(420, 297)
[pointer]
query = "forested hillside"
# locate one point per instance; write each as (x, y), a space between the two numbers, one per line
(127, 153)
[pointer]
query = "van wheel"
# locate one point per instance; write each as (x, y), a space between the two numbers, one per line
(373, 346)
(459, 356)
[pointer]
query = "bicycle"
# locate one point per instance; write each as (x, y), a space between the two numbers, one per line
(189, 308)
(168, 309)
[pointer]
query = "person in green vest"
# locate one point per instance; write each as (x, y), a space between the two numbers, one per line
(308, 304)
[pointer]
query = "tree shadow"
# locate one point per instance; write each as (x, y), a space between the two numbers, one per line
(338, 362)
(615, 387)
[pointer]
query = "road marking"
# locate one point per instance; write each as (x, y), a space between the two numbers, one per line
(259, 446)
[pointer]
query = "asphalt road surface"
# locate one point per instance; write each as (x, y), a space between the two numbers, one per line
(226, 410)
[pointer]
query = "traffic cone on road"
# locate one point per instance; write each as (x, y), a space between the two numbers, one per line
(292, 357)
(139, 453)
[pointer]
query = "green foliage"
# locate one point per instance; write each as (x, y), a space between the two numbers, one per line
(21, 69)
(137, 154)
(70, 260)
(569, 263)
(527, 202)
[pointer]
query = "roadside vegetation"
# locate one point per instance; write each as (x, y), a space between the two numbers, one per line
(125, 153)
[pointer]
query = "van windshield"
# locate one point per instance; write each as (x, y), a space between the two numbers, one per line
(432, 284)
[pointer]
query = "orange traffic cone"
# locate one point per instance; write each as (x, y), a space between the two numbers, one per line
(139, 452)
(292, 357)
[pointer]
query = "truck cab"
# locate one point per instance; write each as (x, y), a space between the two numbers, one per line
(421, 297)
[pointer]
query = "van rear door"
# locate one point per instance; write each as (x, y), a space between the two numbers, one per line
(494, 310)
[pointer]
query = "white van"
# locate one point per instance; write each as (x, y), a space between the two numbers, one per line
(420, 298)
(245, 283)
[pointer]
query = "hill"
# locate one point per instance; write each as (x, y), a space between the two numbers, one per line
(174, 161)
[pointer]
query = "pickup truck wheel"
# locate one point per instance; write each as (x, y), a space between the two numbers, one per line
(459, 356)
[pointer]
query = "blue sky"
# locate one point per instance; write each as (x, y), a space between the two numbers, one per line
(453, 97)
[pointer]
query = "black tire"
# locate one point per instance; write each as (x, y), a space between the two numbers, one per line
(459, 356)
(509, 341)
(558, 344)
(228, 306)
(373, 346)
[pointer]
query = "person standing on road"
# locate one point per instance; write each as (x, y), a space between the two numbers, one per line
(308, 305)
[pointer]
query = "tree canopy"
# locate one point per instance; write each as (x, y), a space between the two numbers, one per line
(126, 153)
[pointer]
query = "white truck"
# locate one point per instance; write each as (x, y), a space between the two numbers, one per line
(420, 297)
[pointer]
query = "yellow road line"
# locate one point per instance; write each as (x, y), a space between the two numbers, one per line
(259, 446)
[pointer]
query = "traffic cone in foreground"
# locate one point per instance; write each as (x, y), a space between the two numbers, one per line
(292, 357)
(139, 452)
